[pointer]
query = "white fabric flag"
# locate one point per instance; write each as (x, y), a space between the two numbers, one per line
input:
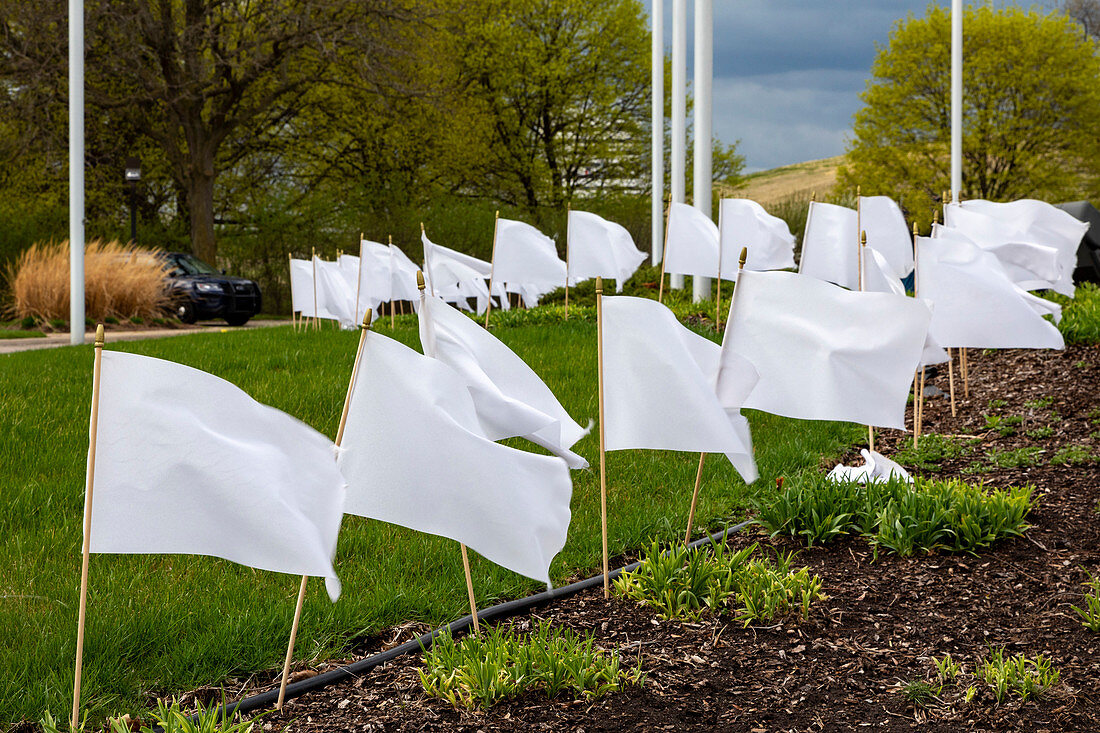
(877, 469)
(187, 463)
(691, 247)
(976, 305)
(600, 248)
(881, 218)
(375, 277)
(403, 273)
(1041, 223)
(510, 399)
(525, 256)
(451, 277)
(933, 353)
(413, 454)
(825, 353)
(1031, 266)
(878, 275)
(335, 300)
(745, 223)
(830, 246)
(663, 388)
(301, 287)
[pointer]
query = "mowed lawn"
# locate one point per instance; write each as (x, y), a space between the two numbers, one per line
(158, 625)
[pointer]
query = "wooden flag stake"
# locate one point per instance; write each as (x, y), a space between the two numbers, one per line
(470, 588)
(86, 551)
(290, 272)
(492, 266)
(718, 295)
(664, 251)
(703, 454)
(313, 262)
(951, 379)
(603, 449)
(568, 216)
(359, 277)
(860, 259)
(965, 368)
(365, 326)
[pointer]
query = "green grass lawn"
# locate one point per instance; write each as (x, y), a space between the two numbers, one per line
(162, 624)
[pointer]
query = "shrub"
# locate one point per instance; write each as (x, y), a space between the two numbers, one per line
(482, 670)
(118, 282)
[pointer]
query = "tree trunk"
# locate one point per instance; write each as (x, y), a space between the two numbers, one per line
(200, 195)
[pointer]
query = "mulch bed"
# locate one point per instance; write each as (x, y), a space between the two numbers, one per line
(885, 620)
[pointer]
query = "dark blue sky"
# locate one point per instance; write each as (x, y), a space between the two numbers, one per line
(788, 73)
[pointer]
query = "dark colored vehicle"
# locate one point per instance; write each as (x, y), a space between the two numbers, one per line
(200, 292)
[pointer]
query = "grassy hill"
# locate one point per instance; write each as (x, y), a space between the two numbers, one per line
(780, 185)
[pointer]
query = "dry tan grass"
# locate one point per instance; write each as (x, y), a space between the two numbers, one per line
(118, 282)
(799, 182)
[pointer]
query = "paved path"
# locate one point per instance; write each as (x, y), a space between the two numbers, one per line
(54, 340)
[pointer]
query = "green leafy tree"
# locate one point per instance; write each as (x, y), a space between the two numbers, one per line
(1031, 91)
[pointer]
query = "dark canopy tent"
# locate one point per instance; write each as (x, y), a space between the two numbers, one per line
(1088, 255)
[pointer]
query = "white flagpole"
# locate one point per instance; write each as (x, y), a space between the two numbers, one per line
(76, 173)
(956, 96)
(305, 578)
(703, 71)
(492, 266)
(86, 551)
(603, 449)
(657, 130)
(679, 113)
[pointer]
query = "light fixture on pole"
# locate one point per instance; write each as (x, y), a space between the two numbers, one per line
(133, 175)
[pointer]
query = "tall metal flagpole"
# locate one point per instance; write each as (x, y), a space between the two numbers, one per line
(956, 97)
(657, 194)
(704, 73)
(679, 112)
(76, 171)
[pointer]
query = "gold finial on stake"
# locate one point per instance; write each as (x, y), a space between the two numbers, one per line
(420, 280)
(421, 227)
(99, 336)
(813, 196)
(599, 285)
(366, 319)
(744, 256)
(390, 239)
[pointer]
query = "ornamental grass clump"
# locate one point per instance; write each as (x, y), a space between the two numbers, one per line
(119, 282)
(903, 518)
(1090, 614)
(1028, 678)
(480, 671)
(685, 583)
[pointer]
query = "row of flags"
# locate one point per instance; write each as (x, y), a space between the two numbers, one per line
(210, 471)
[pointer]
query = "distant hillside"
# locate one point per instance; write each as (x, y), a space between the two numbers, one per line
(798, 181)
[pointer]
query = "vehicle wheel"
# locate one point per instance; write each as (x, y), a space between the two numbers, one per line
(186, 312)
(238, 320)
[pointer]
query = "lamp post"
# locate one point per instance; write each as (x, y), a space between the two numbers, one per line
(133, 175)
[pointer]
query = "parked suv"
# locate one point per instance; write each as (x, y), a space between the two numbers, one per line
(198, 291)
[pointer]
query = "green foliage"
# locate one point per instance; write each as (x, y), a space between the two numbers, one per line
(947, 669)
(1080, 322)
(1090, 615)
(1028, 678)
(1024, 135)
(1039, 433)
(1040, 404)
(685, 583)
(482, 670)
(1072, 455)
(926, 516)
(167, 718)
(1004, 425)
(920, 693)
(1015, 458)
(932, 450)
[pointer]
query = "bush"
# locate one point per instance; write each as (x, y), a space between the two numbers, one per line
(926, 516)
(119, 282)
(1080, 322)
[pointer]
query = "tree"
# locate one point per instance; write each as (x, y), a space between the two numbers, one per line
(1031, 89)
(1085, 12)
(561, 90)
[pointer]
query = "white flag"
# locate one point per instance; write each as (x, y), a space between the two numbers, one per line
(403, 272)
(301, 287)
(413, 454)
(375, 277)
(887, 233)
(745, 223)
(663, 388)
(825, 353)
(335, 298)
(524, 256)
(878, 276)
(187, 463)
(830, 246)
(691, 247)
(975, 304)
(600, 248)
(1031, 266)
(510, 399)
(455, 276)
(1040, 223)
(877, 469)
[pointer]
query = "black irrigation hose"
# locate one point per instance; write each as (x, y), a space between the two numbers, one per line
(499, 611)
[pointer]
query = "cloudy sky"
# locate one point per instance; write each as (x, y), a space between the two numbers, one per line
(788, 73)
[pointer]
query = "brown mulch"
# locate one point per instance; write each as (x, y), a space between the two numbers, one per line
(845, 667)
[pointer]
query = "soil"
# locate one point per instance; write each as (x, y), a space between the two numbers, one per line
(845, 667)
